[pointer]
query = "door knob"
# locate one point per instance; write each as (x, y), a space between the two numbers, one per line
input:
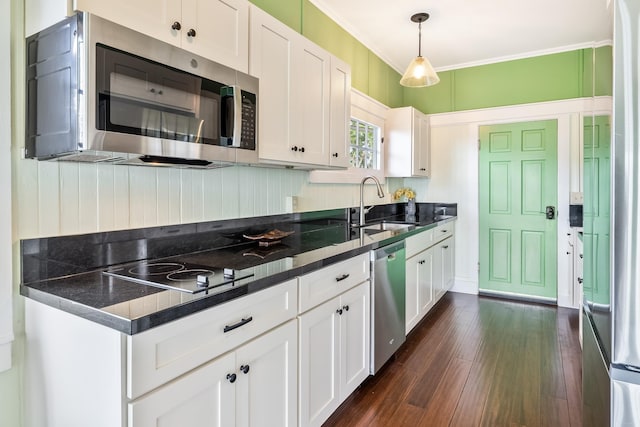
(551, 212)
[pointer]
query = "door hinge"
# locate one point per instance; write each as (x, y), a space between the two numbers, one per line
(478, 145)
(382, 140)
(478, 267)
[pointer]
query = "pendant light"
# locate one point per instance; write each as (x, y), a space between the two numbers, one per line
(419, 73)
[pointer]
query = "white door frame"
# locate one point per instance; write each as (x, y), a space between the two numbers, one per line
(569, 114)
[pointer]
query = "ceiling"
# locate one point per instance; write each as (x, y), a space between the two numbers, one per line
(463, 33)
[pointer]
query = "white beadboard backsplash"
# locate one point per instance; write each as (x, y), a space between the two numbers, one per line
(62, 198)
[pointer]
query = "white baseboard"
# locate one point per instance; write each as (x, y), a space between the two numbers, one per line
(5, 357)
(465, 286)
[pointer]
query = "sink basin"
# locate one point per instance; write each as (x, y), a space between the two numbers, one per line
(388, 226)
(442, 217)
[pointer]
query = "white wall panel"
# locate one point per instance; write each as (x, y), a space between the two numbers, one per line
(163, 179)
(106, 197)
(28, 206)
(230, 197)
(48, 195)
(121, 198)
(69, 196)
(212, 190)
(88, 197)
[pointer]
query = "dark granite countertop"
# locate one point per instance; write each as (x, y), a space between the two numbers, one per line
(132, 308)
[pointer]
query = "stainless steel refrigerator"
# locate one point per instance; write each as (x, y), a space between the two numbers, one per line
(611, 332)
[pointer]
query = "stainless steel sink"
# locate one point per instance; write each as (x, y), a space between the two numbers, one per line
(388, 226)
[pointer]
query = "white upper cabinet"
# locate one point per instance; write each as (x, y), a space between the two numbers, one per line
(299, 84)
(215, 29)
(407, 146)
(340, 113)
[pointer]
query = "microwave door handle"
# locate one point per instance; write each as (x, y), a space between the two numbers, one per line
(237, 117)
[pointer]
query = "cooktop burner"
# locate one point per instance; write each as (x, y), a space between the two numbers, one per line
(180, 276)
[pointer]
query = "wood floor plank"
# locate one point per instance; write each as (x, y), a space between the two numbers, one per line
(477, 361)
(441, 408)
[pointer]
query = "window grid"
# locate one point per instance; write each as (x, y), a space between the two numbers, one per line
(364, 147)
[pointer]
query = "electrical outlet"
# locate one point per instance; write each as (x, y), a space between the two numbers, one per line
(291, 204)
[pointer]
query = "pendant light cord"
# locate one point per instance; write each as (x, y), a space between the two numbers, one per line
(420, 39)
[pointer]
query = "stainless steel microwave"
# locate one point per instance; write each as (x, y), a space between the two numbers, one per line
(95, 88)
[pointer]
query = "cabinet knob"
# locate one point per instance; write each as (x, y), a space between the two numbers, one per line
(244, 369)
(294, 148)
(339, 311)
(423, 169)
(231, 378)
(345, 307)
(421, 261)
(302, 149)
(335, 155)
(176, 26)
(580, 280)
(445, 247)
(191, 33)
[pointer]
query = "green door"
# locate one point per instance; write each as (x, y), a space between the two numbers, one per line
(518, 180)
(597, 208)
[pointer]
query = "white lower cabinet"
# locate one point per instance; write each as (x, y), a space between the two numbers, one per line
(204, 397)
(430, 271)
(443, 267)
(419, 287)
(334, 353)
(255, 385)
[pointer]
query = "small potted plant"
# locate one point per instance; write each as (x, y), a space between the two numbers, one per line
(410, 196)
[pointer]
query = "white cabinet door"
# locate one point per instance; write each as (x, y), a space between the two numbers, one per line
(154, 18)
(421, 146)
(354, 339)
(407, 147)
(443, 270)
(412, 305)
(438, 272)
(419, 288)
(319, 359)
(340, 113)
(204, 398)
(312, 70)
(295, 80)
(271, 60)
(425, 281)
(218, 30)
(448, 263)
(267, 386)
(215, 29)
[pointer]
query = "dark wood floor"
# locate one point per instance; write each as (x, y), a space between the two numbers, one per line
(477, 361)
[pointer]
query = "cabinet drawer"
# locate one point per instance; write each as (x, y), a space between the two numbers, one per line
(326, 283)
(443, 231)
(166, 352)
(418, 242)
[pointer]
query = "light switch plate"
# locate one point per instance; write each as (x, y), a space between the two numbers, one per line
(577, 198)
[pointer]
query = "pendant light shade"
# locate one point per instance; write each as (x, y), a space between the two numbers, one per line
(419, 73)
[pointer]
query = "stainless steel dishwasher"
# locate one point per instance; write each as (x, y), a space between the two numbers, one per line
(388, 303)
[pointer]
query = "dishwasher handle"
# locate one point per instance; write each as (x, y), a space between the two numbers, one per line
(388, 251)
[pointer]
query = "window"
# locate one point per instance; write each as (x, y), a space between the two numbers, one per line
(365, 147)
(364, 151)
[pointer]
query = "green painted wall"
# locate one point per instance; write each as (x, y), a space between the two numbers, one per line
(543, 78)
(286, 11)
